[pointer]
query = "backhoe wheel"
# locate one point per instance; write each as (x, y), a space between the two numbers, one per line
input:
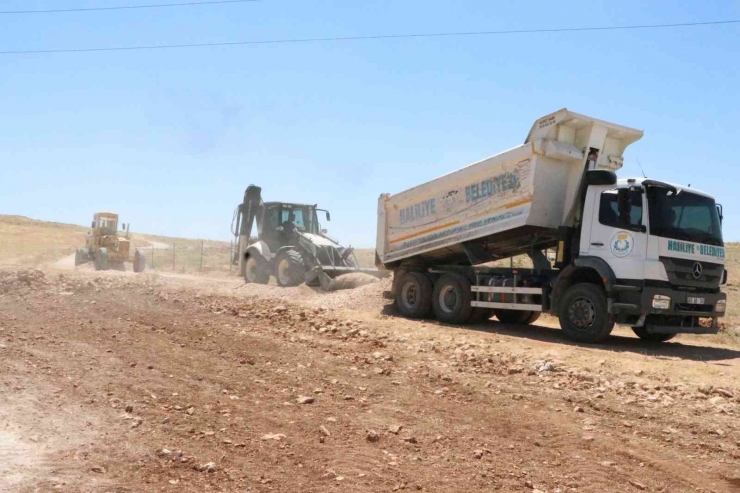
(643, 334)
(517, 317)
(139, 261)
(414, 294)
(289, 268)
(255, 270)
(451, 299)
(80, 256)
(101, 259)
(584, 316)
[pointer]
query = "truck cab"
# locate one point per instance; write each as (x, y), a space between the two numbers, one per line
(663, 247)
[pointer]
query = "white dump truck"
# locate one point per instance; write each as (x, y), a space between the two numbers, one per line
(637, 252)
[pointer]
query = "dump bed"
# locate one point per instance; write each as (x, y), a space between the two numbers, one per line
(503, 205)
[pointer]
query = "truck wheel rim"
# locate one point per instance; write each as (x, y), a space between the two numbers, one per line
(448, 299)
(283, 268)
(582, 313)
(251, 270)
(409, 294)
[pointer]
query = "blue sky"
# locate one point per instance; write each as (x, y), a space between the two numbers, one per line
(170, 139)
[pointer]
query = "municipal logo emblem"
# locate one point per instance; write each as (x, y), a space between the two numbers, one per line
(622, 244)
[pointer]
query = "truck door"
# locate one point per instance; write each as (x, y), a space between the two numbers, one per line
(618, 233)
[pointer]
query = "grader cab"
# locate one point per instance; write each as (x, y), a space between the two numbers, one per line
(109, 248)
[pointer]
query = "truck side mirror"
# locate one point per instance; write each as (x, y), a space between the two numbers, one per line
(93, 225)
(328, 216)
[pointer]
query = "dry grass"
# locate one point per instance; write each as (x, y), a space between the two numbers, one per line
(30, 242)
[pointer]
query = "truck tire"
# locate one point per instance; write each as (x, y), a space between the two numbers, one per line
(584, 316)
(255, 270)
(451, 299)
(289, 268)
(80, 256)
(139, 261)
(655, 338)
(100, 259)
(414, 295)
(517, 317)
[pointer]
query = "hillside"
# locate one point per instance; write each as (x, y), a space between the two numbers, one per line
(33, 243)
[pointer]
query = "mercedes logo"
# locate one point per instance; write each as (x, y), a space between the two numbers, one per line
(697, 270)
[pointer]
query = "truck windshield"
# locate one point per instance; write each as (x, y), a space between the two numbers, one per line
(108, 225)
(684, 215)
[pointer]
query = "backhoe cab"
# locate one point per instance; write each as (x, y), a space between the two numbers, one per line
(106, 248)
(290, 244)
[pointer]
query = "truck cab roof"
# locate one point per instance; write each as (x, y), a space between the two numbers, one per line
(626, 182)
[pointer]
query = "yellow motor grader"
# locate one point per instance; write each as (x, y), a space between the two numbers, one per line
(106, 248)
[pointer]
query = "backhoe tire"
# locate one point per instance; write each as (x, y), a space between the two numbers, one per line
(652, 338)
(289, 268)
(414, 294)
(584, 316)
(139, 261)
(100, 259)
(255, 270)
(451, 299)
(80, 256)
(517, 317)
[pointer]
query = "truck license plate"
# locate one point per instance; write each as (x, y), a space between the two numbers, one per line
(693, 300)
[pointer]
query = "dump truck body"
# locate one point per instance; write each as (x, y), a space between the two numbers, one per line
(506, 204)
(638, 252)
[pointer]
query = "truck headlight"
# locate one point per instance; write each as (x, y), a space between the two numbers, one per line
(661, 302)
(721, 306)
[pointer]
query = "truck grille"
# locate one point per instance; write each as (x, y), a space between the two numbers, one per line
(682, 272)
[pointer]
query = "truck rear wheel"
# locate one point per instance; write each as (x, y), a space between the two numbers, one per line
(584, 316)
(289, 268)
(100, 259)
(452, 299)
(255, 270)
(517, 317)
(414, 295)
(643, 334)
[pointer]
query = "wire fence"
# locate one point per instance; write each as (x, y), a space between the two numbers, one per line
(191, 257)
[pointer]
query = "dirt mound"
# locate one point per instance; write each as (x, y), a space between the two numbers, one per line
(351, 281)
(22, 280)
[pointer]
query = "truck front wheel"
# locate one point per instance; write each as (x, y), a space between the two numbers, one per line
(100, 259)
(584, 316)
(452, 299)
(414, 295)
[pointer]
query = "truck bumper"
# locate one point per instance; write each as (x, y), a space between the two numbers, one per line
(637, 308)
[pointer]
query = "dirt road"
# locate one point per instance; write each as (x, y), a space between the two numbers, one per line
(143, 383)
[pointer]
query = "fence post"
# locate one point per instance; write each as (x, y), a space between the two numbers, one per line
(231, 255)
(201, 254)
(173, 256)
(152, 256)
